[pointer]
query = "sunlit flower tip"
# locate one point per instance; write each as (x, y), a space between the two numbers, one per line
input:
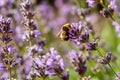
(106, 59)
(62, 64)
(113, 3)
(25, 36)
(91, 3)
(5, 22)
(11, 50)
(26, 5)
(86, 78)
(54, 54)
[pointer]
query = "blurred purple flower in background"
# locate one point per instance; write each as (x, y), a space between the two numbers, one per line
(117, 27)
(114, 4)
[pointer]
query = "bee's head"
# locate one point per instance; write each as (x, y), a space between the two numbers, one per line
(66, 27)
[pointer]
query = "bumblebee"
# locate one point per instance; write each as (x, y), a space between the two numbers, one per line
(64, 32)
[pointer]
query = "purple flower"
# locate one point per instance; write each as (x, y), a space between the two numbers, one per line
(5, 29)
(62, 64)
(118, 76)
(117, 27)
(5, 3)
(44, 9)
(114, 4)
(25, 67)
(106, 59)
(58, 3)
(2, 3)
(91, 3)
(8, 56)
(25, 36)
(75, 32)
(55, 64)
(36, 34)
(73, 55)
(29, 23)
(50, 65)
(78, 62)
(37, 49)
(40, 62)
(50, 62)
(11, 50)
(79, 33)
(53, 59)
(65, 10)
(2, 67)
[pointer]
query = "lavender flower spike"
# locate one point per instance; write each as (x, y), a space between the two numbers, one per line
(78, 62)
(56, 65)
(79, 33)
(91, 3)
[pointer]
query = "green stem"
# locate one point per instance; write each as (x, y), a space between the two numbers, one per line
(43, 78)
(79, 78)
(8, 57)
(10, 73)
(77, 2)
(99, 52)
(112, 69)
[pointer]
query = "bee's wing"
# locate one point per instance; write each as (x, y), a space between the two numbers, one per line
(58, 35)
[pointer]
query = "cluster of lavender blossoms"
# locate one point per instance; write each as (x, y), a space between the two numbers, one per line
(79, 33)
(51, 65)
(78, 61)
